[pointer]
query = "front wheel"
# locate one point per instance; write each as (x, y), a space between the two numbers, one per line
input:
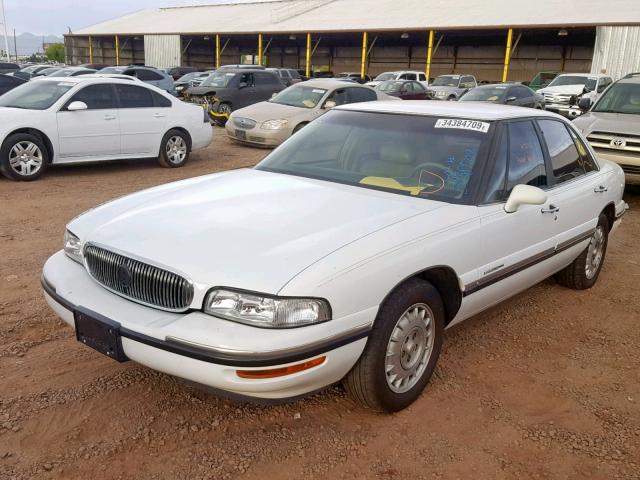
(23, 157)
(174, 149)
(402, 350)
(584, 271)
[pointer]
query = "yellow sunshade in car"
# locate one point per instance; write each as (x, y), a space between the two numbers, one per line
(392, 183)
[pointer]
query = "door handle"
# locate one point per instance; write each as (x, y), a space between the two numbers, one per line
(159, 115)
(551, 209)
(600, 189)
(110, 117)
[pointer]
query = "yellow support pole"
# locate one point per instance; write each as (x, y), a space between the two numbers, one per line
(259, 49)
(507, 55)
(429, 54)
(90, 50)
(308, 67)
(217, 51)
(117, 50)
(363, 67)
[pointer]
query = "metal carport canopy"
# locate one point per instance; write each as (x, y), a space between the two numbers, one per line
(292, 16)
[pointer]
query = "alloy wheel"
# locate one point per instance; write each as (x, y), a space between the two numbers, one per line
(409, 348)
(25, 158)
(176, 149)
(595, 252)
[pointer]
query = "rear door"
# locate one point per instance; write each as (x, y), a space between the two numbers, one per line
(143, 119)
(575, 186)
(94, 132)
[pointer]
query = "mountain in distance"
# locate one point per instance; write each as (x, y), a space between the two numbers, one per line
(29, 43)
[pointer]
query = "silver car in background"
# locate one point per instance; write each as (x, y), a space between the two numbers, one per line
(612, 125)
(451, 87)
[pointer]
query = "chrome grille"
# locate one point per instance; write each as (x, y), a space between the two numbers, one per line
(558, 98)
(612, 142)
(245, 123)
(138, 281)
(631, 169)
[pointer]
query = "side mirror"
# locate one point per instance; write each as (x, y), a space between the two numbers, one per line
(586, 89)
(329, 104)
(524, 195)
(274, 94)
(77, 106)
(584, 103)
(510, 99)
(243, 85)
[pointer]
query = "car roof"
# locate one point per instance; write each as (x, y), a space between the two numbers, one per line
(89, 78)
(583, 74)
(474, 110)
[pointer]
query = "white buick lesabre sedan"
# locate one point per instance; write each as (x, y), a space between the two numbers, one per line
(344, 255)
(95, 118)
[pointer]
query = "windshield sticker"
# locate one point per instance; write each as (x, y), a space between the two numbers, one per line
(474, 125)
(66, 84)
(317, 90)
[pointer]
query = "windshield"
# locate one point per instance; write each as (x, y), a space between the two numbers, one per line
(219, 79)
(385, 76)
(298, 96)
(563, 80)
(188, 76)
(446, 81)
(62, 73)
(35, 96)
(394, 86)
(426, 157)
(620, 98)
(31, 69)
(484, 94)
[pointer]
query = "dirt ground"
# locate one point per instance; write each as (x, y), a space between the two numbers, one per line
(546, 385)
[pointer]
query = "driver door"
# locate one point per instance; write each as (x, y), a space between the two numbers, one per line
(90, 133)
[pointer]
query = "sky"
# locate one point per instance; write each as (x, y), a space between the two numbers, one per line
(54, 17)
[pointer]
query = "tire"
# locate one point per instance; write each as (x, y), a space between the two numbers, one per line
(299, 127)
(224, 111)
(584, 270)
(373, 381)
(174, 149)
(23, 157)
(451, 98)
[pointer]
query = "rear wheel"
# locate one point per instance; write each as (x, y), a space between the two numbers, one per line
(174, 150)
(402, 350)
(23, 156)
(584, 271)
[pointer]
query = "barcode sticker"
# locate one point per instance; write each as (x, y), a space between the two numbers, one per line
(474, 125)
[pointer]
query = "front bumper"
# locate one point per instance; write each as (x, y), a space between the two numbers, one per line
(207, 350)
(257, 136)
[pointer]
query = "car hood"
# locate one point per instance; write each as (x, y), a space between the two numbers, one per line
(247, 229)
(264, 111)
(567, 89)
(615, 123)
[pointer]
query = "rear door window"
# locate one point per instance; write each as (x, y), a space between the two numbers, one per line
(566, 162)
(132, 96)
(148, 75)
(356, 95)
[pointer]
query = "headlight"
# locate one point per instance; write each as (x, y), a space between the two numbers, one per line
(72, 247)
(266, 311)
(274, 124)
(440, 93)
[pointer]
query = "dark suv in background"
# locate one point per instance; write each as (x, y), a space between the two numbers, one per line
(229, 89)
(8, 67)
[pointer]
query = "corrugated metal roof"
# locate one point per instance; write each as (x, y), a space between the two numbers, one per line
(288, 16)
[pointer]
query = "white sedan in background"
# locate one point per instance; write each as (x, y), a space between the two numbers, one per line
(345, 254)
(95, 118)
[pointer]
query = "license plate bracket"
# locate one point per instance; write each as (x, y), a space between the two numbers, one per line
(100, 333)
(241, 134)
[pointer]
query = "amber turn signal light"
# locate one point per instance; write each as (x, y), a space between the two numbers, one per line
(280, 372)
